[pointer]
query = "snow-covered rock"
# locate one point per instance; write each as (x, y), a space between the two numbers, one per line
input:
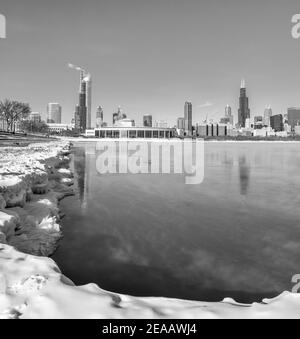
(2, 202)
(30, 190)
(13, 190)
(65, 172)
(8, 224)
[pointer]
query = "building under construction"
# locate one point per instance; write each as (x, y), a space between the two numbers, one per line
(83, 110)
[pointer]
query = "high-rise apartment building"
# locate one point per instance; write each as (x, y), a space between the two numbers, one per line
(267, 115)
(293, 117)
(180, 123)
(276, 122)
(54, 111)
(88, 97)
(188, 118)
(81, 109)
(228, 119)
(99, 117)
(35, 117)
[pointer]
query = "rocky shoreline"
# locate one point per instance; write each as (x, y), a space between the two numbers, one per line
(32, 182)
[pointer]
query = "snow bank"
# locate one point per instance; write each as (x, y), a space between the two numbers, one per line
(33, 287)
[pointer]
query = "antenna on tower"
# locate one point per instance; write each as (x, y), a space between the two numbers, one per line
(243, 83)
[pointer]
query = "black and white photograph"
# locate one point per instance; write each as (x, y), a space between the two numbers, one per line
(149, 162)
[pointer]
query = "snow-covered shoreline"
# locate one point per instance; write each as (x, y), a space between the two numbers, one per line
(32, 181)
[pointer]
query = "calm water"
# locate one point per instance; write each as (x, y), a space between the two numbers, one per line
(237, 234)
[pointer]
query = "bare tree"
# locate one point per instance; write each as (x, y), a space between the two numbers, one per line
(12, 112)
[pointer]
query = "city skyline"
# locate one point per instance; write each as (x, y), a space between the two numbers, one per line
(120, 48)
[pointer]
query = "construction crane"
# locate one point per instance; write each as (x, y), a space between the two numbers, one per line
(83, 72)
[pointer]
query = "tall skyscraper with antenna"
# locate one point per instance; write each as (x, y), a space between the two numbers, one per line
(244, 111)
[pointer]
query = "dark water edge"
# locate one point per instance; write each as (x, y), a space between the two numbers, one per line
(106, 243)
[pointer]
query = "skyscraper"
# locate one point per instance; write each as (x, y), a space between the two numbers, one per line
(147, 121)
(188, 118)
(293, 117)
(267, 115)
(227, 111)
(228, 115)
(99, 117)
(81, 109)
(180, 123)
(88, 97)
(35, 117)
(54, 113)
(258, 122)
(276, 122)
(244, 111)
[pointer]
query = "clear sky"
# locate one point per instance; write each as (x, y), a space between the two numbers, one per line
(150, 56)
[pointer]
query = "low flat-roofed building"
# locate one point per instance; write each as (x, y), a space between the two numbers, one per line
(132, 133)
(35, 117)
(297, 130)
(212, 130)
(282, 134)
(60, 127)
(262, 133)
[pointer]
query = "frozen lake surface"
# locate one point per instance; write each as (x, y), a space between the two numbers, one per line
(235, 235)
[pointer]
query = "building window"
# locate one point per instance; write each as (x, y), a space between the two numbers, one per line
(124, 134)
(155, 134)
(116, 134)
(141, 134)
(132, 134)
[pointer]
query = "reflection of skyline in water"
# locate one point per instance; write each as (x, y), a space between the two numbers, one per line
(154, 236)
(81, 169)
(244, 170)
